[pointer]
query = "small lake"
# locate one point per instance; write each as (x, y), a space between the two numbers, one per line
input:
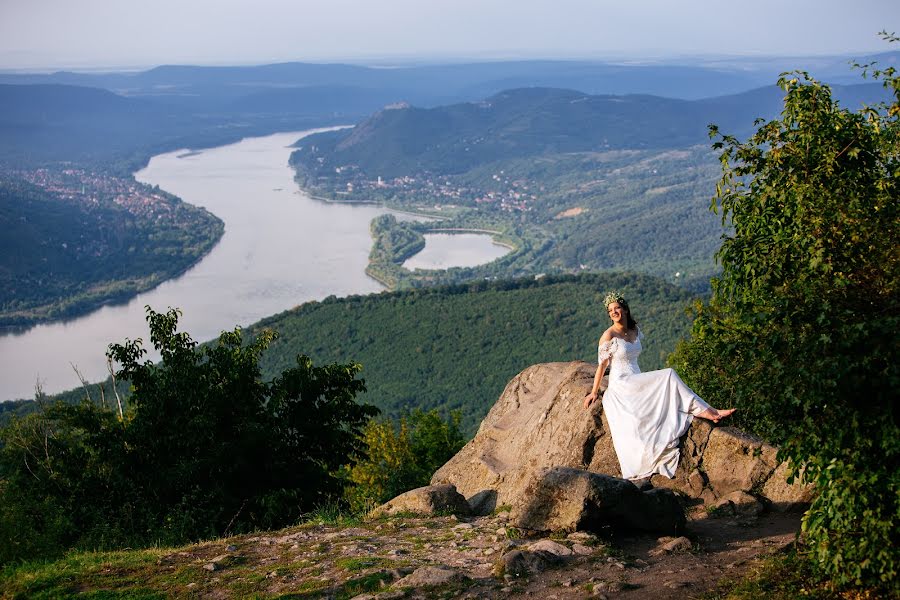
(280, 249)
(447, 250)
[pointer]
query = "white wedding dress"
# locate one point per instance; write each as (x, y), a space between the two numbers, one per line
(647, 412)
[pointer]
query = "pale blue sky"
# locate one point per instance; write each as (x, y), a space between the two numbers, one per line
(37, 34)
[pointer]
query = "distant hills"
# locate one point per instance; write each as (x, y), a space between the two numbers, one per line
(174, 106)
(452, 139)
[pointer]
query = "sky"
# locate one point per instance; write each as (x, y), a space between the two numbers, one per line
(83, 34)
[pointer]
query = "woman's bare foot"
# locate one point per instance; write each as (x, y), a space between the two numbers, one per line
(712, 414)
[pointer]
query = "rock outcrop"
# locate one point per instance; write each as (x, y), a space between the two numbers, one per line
(539, 423)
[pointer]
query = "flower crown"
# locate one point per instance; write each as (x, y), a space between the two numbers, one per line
(614, 296)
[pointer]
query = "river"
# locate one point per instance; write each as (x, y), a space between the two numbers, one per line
(280, 248)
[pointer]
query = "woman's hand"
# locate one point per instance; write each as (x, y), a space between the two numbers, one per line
(589, 399)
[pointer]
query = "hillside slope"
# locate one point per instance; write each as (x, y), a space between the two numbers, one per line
(455, 348)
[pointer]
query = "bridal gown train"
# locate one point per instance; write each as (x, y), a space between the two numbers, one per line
(647, 412)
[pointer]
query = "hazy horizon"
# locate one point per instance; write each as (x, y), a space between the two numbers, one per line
(107, 35)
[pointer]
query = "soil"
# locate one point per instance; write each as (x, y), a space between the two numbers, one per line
(367, 561)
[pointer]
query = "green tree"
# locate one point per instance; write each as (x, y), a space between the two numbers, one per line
(206, 448)
(401, 456)
(801, 330)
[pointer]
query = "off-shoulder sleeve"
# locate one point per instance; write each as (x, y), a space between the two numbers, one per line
(605, 350)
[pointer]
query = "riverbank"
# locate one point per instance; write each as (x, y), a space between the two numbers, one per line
(278, 250)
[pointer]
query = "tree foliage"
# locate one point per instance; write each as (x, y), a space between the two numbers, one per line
(206, 448)
(402, 456)
(801, 331)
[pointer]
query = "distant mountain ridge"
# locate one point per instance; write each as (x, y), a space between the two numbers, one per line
(536, 121)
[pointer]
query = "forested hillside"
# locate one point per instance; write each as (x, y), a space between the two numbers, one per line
(73, 240)
(455, 348)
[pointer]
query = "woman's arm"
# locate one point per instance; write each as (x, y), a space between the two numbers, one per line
(601, 370)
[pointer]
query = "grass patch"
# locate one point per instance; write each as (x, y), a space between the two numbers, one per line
(785, 576)
(121, 574)
(358, 563)
(332, 513)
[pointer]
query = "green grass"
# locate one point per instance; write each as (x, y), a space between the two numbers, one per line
(354, 564)
(122, 574)
(784, 576)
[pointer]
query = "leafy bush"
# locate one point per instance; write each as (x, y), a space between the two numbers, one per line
(206, 448)
(800, 333)
(402, 456)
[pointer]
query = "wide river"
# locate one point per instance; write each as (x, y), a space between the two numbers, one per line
(280, 248)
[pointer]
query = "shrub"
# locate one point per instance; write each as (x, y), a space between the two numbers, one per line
(206, 448)
(801, 330)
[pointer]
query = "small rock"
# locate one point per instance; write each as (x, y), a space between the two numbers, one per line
(608, 586)
(464, 526)
(501, 531)
(550, 546)
(675, 585)
(489, 551)
(582, 550)
(738, 503)
(665, 539)
(230, 548)
(191, 585)
(212, 566)
(568, 583)
(525, 562)
(681, 544)
(431, 576)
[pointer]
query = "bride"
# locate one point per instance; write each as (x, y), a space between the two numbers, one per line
(647, 412)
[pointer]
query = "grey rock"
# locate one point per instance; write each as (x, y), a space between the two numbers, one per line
(679, 544)
(426, 500)
(550, 546)
(483, 503)
(566, 499)
(520, 563)
(736, 461)
(424, 576)
(582, 550)
(739, 504)
(784, 496)
(538, 423)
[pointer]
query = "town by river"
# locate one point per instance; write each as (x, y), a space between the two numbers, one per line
(280, 249)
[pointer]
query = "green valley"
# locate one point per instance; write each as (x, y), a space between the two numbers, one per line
(455, 348)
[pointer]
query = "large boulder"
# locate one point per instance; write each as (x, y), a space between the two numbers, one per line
(567, 499)
(539, 423)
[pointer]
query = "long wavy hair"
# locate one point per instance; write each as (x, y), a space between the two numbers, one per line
(629, 320)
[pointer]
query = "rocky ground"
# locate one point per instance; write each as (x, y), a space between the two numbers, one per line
(481, 557)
